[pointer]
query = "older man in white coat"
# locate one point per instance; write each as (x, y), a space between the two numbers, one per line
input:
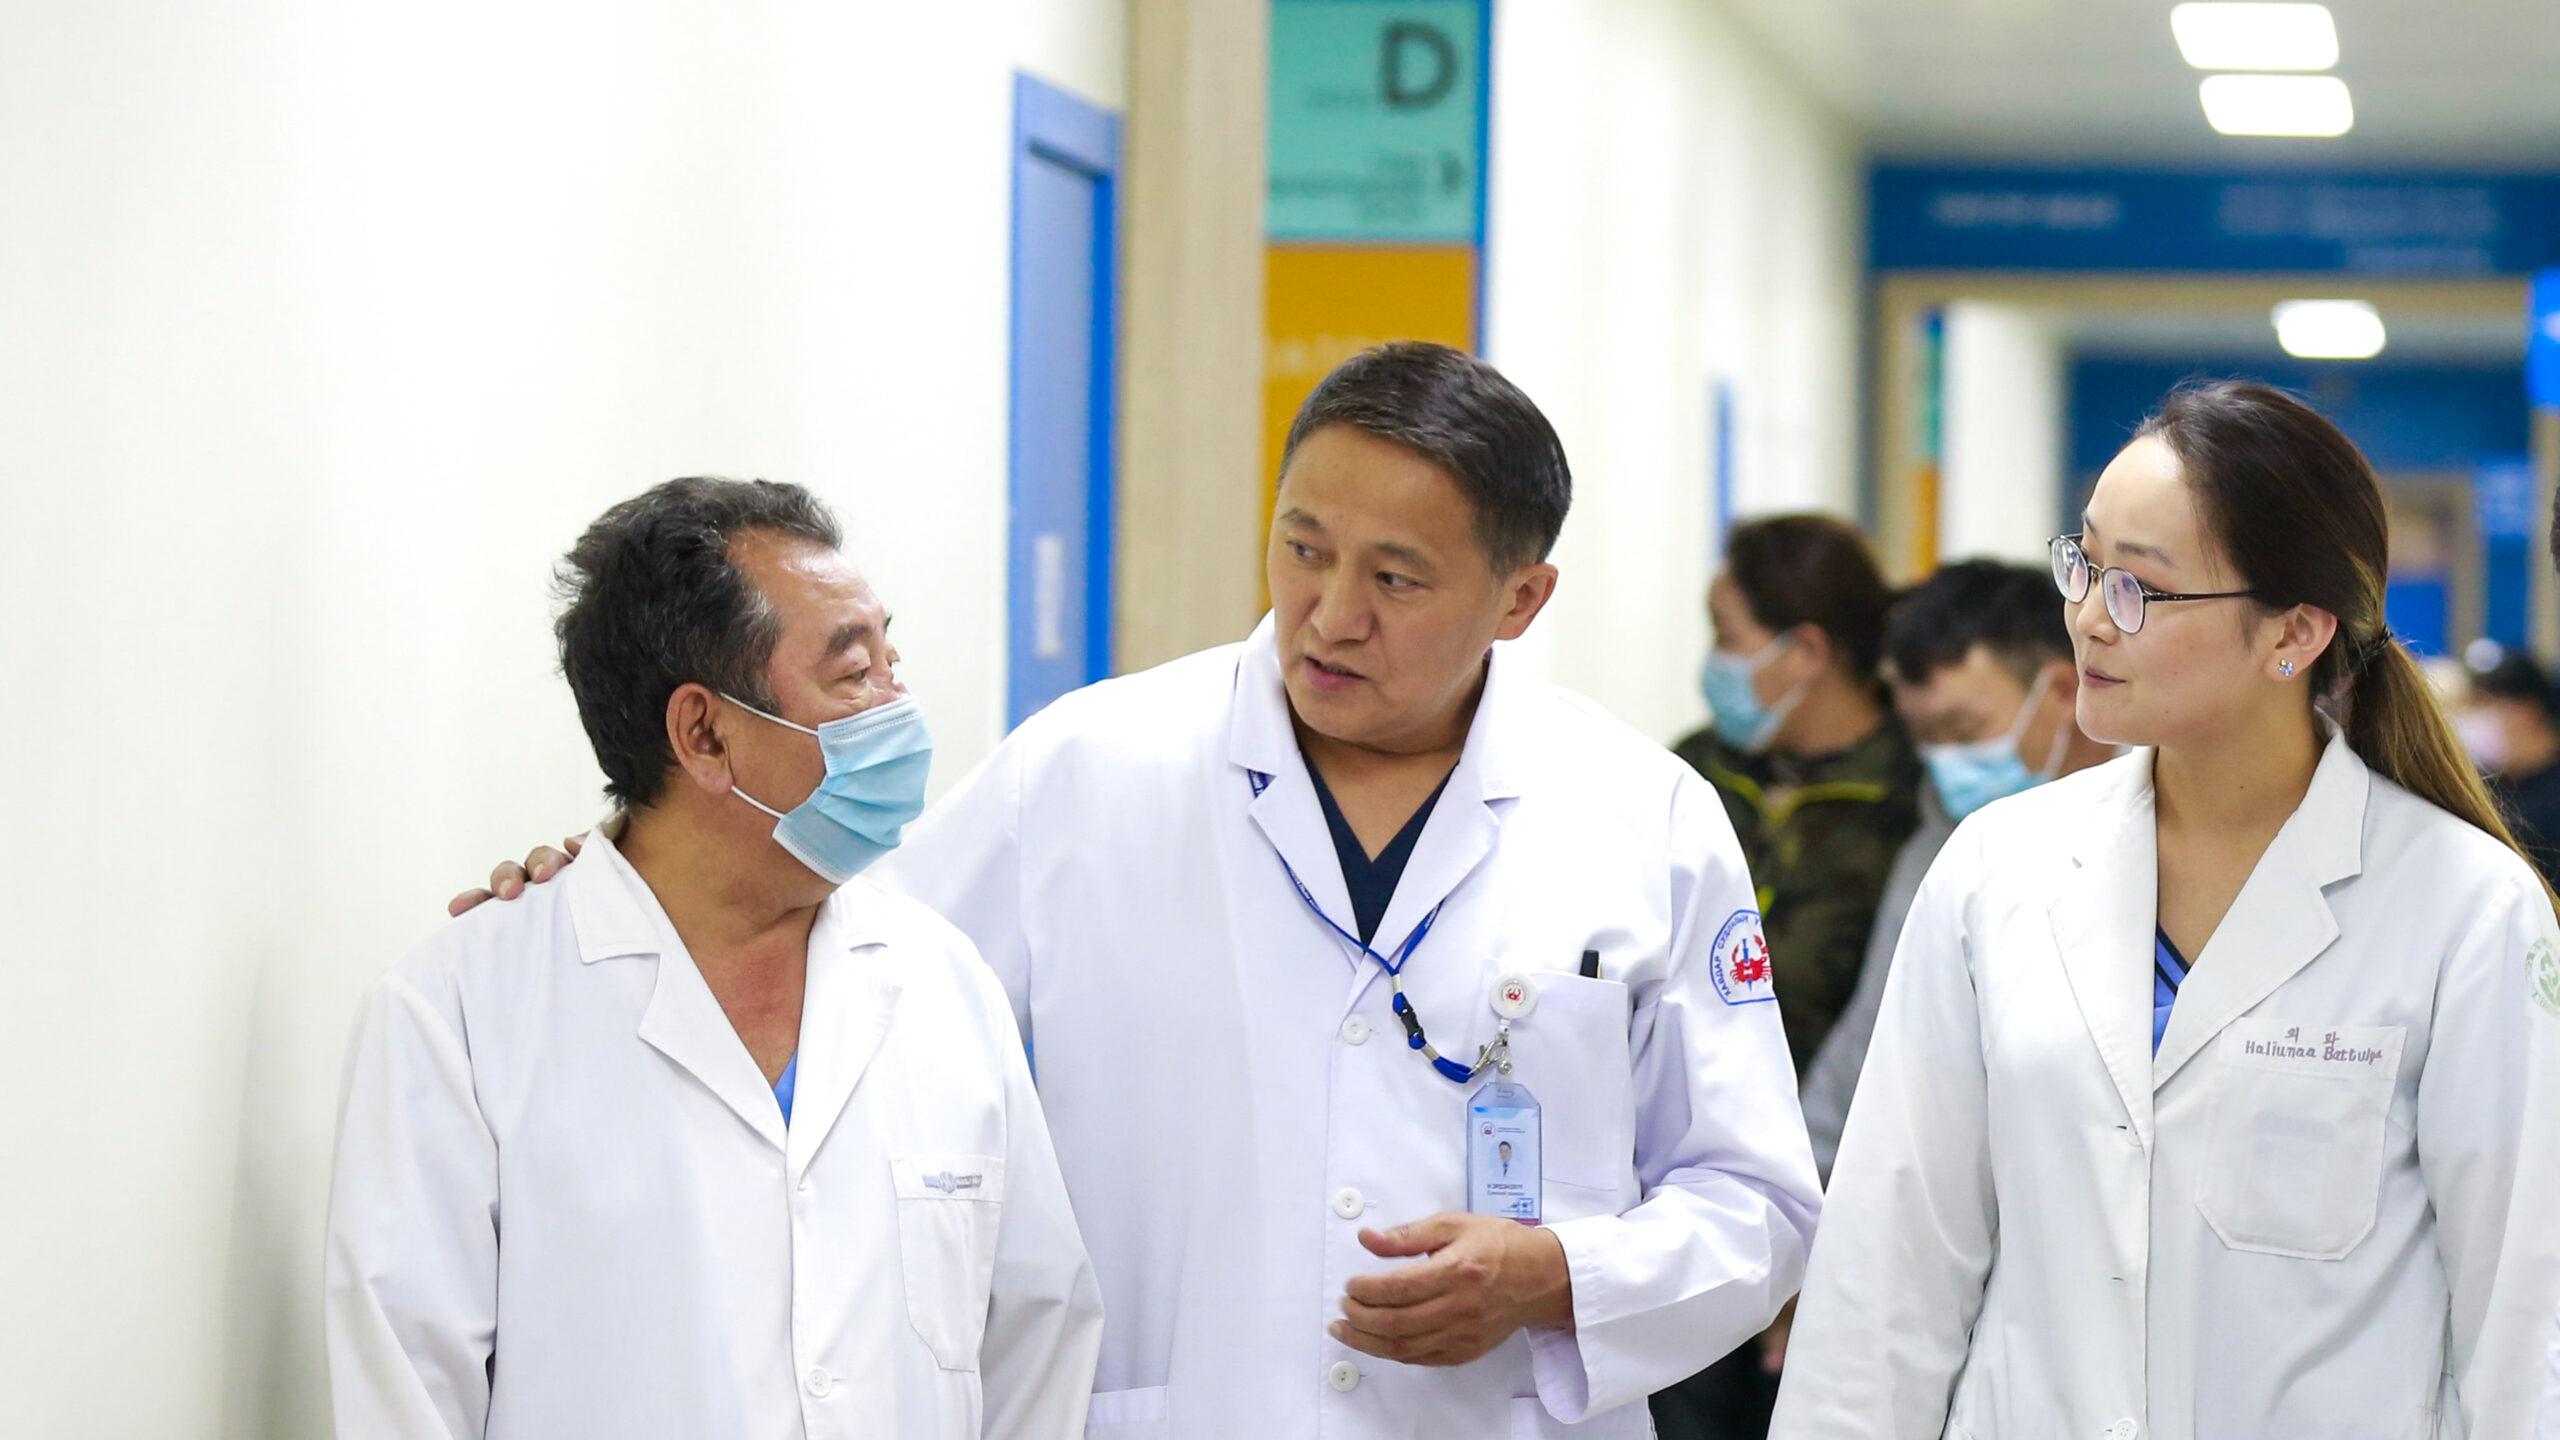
(706, 1141)
(1300, 929)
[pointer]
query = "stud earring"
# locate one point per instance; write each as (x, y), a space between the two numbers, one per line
(2286, 666)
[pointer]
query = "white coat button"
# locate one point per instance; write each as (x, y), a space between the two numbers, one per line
(1348, 1203)
(1355, 1031)
(820, 1383)
(2124, 1429)
(1343, 1376)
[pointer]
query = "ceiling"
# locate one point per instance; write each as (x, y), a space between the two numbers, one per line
(2439, 84)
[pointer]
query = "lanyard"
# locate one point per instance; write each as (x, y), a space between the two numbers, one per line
(1413, 1037)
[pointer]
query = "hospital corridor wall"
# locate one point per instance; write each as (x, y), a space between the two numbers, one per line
(1675, 262)
(329, 328)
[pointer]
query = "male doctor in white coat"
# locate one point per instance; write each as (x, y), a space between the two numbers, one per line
(1195, 882)
(706, 1142)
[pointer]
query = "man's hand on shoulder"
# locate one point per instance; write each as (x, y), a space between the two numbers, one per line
(509, 879)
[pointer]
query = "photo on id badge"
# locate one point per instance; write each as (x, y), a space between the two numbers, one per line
(1502, 1152)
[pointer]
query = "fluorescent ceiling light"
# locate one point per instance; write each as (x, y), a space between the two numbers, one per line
(2255, 37)
(2329, 329)
(2278, 105)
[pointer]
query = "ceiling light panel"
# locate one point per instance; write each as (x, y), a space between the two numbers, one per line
(2301, 105)
(2255, 37)
(2329, 329)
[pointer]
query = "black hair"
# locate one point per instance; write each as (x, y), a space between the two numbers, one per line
(2009, 610)
(1813, 570)
(2515, 676)
(652, 598)
(1457, 412)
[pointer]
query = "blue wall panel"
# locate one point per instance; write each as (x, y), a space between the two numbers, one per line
(1929, 218)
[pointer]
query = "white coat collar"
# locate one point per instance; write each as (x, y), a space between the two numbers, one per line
(844, 1011)
(1454, 840)
(2106, 913)
(2281, 920)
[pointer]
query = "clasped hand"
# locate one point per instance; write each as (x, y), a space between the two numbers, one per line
(1482, 1278)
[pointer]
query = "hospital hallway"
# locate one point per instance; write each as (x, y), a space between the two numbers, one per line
(327, 330)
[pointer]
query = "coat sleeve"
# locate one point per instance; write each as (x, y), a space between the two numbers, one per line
(1831, 1081)
(2488, 1107)
(963, 859)
(1044, 1313)
(1717, 1243)
(410, 1271)
(1912, 1224)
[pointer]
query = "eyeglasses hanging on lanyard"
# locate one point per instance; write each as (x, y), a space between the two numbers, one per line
(1414, 1038)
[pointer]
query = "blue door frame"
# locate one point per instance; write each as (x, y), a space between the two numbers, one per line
(1066, 191)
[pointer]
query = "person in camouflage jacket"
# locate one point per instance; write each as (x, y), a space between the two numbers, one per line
(1823, 787)
(1820, 833)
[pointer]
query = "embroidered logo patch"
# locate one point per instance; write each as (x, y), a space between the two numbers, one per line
(1740, 964)
(2544, 963)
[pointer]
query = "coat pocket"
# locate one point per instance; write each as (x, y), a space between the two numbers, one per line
(949, 1208)
(2295, 1149)
(1137, 1414)
(1530, 1421)
(1571, 1051)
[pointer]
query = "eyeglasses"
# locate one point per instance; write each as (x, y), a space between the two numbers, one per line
(2127, 597)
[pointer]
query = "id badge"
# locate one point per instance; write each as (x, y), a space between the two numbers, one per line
(1502, 1152)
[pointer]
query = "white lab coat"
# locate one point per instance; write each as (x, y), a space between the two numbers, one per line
(1233, 1102)
(2329, 1206)
(555, 1148)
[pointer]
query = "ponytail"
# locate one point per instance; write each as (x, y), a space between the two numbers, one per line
(2396, 727)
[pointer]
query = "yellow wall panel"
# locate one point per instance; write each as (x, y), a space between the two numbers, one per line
(1327, 303)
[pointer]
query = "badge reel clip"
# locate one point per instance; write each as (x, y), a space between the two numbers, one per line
(1502, 1119)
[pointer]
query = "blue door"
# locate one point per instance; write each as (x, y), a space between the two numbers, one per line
(1066, 169)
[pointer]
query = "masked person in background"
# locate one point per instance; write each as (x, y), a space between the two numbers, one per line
(1823, 789)
(712, 1138)
(2511, 728)
(1980, 664)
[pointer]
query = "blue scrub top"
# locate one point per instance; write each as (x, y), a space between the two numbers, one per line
(2168, 972)
(790, 1079)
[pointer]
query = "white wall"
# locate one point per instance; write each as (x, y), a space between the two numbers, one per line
(2003, 397)
(327, 327)
(1669, 209)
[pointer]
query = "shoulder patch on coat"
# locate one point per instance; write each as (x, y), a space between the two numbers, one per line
(2544, 962)
(1740, 964)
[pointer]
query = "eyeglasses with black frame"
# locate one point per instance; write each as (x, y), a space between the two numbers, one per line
(2127, 597)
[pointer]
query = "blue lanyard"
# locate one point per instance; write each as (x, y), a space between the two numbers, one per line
(1413, 1036)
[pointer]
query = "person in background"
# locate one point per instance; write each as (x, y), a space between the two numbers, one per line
(1823, 788)
(2512, 730)
(1979, 660)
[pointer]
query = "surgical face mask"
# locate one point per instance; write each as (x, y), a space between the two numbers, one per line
(877, 761)
(1970, 776)
(2483, 737)
(1740, 719)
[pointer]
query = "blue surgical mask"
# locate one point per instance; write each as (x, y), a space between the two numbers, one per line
(1740, 719)
(1970, 776)
(877, 761)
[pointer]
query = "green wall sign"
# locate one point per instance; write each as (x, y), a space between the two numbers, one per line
(1377, 120)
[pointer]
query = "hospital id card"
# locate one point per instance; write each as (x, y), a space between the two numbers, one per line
(1502, 1152)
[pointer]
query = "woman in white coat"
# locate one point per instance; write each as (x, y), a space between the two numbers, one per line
(2311, 1188)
